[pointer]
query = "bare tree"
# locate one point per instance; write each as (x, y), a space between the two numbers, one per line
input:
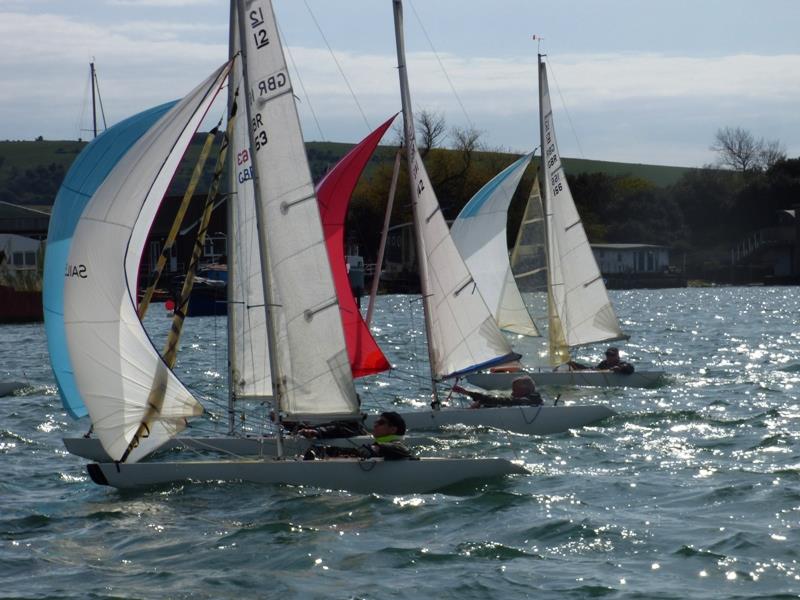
(430, 129)
(771, 152)
(737, 148)
(465, 140)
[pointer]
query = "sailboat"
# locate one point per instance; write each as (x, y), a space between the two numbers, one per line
(135, 402)
(462, 334)
(248, 359)
(579, 311)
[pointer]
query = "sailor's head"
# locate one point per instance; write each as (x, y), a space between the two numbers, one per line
(612, 354)
(389, 423)
(522, 386)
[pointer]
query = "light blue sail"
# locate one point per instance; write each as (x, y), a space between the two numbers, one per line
(480, 201)
(86, 174)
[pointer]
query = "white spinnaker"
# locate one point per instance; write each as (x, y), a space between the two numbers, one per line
(579, 295)
(249, 368)
(314, 375)
(479, 233)
(117, 368)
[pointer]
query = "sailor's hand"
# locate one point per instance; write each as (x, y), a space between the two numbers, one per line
(308, 433)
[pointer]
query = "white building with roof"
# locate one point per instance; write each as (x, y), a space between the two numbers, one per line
(631, 258)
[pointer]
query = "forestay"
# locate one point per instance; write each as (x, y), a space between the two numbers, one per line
(118, 371)
(313, 371)
(581, 311)
(479, 233)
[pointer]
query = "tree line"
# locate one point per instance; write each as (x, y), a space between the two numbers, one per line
(700, 217)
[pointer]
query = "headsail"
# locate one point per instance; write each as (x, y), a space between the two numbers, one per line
(581, 311)
(462, 334)
(90, 168)
(310, 365)
(333, 195)
(248, 346)
(118, 371)
(479, 232)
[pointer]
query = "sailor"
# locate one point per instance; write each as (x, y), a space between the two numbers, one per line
(387, 432)
(523, 393)
(612, 362)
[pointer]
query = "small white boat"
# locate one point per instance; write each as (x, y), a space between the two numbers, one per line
(585, 377)
(533, 420)
(552, 262)
(368, 476)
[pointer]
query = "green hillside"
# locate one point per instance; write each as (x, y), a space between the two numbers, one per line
(31, 171)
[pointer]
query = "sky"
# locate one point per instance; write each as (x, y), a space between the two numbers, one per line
(640, 81)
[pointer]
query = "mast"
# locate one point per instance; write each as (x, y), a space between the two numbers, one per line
(545, 195)
(376, 276)
(262, 241)
(92, 76)
(410, 142)
(230, 222)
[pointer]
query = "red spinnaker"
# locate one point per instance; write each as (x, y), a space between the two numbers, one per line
(333, 195)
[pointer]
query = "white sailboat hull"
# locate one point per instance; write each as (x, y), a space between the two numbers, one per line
(361, 476)
(536, 420)
(92, 449)
(587, 377)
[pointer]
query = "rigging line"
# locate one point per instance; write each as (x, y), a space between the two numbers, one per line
(441, 65)
(338, 66)
(566, 111)
(84, 107)
(300, 81)
(100, 101)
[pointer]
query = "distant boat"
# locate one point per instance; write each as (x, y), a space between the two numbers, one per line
(20, 279)
(209, 296)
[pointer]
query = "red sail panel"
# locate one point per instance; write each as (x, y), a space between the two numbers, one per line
(333, 195)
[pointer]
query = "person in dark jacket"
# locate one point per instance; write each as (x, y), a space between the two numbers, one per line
(612, 362)
(523, 393)
(387, 432)
(333, 430)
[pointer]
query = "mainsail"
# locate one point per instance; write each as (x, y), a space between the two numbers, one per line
(118, 372)
(333, 195)
(310, 366)
(90, 168)
(581, 312)
(462, 334)
(479, 232)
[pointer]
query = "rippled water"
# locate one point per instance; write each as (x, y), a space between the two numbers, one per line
(693, 491)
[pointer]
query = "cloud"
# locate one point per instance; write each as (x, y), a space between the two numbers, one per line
(622, 106)
(162, 3)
